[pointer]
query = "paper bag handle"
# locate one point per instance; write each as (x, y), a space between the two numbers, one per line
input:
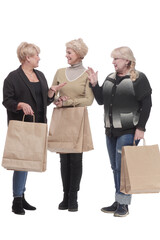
(32, 116)
(144, 142)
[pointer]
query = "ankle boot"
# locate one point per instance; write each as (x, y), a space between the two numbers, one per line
(26, 205)
(17, 206)
(64, 204)
(72, 202)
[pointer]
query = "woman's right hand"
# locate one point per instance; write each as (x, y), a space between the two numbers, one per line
(55, 88)
(26, 108)
(92, 76)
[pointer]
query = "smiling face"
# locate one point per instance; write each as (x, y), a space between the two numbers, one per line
(121, 65)
(33, 60)
(72, 56)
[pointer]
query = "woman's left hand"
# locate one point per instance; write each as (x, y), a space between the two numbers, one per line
(58, 103)
(60, 100)
(139, 134)
(63, 98)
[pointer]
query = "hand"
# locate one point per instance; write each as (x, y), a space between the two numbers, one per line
(92, 76)
(139, 134)
(60, 100)
(53, 89)
(26, 108)
(58, 103)
(64, 98)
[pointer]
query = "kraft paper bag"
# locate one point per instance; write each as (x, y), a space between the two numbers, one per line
(140, 169)
(69, 131)
(25, 147)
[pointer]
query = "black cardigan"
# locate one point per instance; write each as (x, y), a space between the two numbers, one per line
(17, 89)
(142, 91)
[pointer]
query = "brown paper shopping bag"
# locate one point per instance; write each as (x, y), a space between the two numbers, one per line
(69, 131)
(25, 147)
(140, 169)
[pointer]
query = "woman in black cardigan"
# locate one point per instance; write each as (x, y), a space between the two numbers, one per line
(25, 91)
(126, 96)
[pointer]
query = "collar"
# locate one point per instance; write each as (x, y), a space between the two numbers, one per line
(77, 65)
(113, 75)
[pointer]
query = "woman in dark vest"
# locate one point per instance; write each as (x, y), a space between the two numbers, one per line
(25, 91)
(126, 95)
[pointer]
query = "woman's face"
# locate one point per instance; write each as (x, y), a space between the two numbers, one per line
(120, 65)
(72, 56)
(34, 60)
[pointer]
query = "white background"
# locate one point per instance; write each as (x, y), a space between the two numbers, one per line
(103, 25)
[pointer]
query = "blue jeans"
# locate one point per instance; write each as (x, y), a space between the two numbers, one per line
(114, 146)
(19, 182)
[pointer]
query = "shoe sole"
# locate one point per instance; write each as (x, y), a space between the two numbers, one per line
(72, 210)
(118, 215)
(63, 208)
(30, 209)
(18, 213)
(107, 211)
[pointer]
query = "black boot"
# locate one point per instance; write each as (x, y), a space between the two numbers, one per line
(26, 205)
(17, 206)
(64, 204)
(72, 202)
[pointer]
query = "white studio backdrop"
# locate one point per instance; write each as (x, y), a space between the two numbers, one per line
(103, 25)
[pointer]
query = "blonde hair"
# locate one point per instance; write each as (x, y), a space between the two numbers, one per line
(126, 53)
(78, 46)
(26, 49)
(133, 73)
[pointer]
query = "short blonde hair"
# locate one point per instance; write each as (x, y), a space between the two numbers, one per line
(26, 49)
(78, 46)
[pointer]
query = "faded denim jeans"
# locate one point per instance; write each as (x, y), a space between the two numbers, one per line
(114, 146)
(19, 182)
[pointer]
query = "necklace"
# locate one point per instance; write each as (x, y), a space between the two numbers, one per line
(30, 74)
